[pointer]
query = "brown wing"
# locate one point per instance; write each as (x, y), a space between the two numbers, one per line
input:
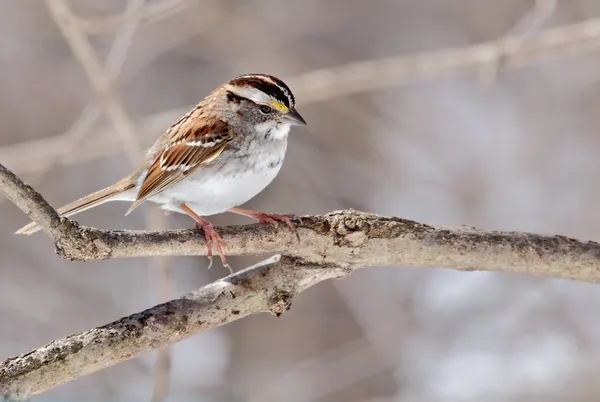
(190, 147)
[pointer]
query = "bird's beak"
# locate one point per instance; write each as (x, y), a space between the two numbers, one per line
(293, 117)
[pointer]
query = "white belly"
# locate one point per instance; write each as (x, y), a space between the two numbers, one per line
(215, 189)
(210, 194)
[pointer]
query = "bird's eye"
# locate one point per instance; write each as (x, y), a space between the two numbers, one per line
(264, 109)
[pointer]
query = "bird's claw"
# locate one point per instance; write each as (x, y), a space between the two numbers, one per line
(273, 219)
(213, 238)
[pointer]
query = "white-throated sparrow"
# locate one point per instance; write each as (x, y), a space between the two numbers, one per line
(219, 155)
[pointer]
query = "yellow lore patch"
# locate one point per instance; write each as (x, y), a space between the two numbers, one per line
(278, 105)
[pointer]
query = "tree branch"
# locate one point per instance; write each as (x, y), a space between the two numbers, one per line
(349, 239)
(266, 287)
(29, 201)
(331, 246)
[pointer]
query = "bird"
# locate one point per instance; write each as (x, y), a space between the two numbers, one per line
(218, 156)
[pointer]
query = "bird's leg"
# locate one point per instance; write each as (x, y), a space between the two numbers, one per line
(262, 217)
(211, 236)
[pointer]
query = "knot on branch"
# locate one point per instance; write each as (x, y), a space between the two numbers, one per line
(75, 243)
(353, 228)
(279, 302)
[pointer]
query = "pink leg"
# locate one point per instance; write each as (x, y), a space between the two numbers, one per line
(262, 217)
(211, 236)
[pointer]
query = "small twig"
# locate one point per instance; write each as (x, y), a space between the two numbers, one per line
(91, 112)
(32, 156)
(162, 375)
(147, 15)
(123, 39)
(156, 219)
(29, 201)
(100, 81)
(531, 22)
(541, 11)
(77, 132)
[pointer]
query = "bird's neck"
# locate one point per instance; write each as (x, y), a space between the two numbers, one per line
(271, 131)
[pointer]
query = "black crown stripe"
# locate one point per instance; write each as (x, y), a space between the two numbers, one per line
(277, 88)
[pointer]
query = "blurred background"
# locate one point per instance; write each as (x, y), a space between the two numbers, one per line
(87, 84)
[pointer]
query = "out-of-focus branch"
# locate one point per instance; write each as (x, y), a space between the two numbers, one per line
(97, 144)
(100, 81)
(155, 218)
(320, 85)
(510, 52)
(149, 14)
(91, 112)
(532, 21)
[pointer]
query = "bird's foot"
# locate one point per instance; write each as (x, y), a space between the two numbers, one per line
(213, 239)
(272, 219)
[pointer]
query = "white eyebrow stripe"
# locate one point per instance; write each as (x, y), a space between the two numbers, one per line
(283, 89)
(255, 95)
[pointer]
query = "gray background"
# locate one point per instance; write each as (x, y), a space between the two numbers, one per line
(520, 154)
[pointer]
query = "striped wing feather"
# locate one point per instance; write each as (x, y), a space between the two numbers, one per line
(192, 145)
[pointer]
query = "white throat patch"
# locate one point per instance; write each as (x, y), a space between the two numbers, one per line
(274, 130)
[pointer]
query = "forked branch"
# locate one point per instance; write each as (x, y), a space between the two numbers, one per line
(331, 246)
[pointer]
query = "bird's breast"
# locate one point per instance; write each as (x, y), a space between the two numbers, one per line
(232, 181)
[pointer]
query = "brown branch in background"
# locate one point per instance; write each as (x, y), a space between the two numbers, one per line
(156, 218)
(97, 144)
(92, 111)
(152, 13)
(99, 80)
(162, 373)
(320, 85)
(511, 52)
(532, 21)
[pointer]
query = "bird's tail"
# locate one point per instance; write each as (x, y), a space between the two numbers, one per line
(89, 201)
